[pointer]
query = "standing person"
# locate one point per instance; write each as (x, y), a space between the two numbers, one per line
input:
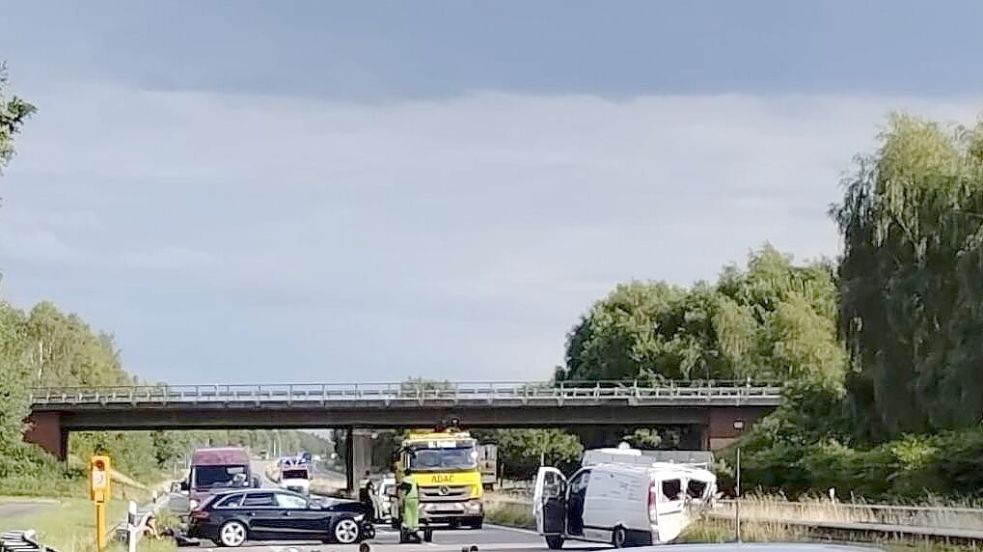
(410, 503)
(366, 495)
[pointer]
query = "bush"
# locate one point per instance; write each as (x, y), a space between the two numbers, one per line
(911, 468)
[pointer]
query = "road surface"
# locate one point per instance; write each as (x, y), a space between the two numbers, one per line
(489, 539)
(15, 508)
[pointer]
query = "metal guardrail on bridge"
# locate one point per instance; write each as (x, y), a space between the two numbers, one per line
(411, 393)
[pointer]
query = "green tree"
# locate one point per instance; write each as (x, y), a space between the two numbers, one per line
(14, 111)
(911, 301)
(519, 450)
(770, 320)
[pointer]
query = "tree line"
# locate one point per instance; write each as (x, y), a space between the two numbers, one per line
(879, 350)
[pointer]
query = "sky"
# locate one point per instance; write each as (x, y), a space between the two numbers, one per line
(304, 191)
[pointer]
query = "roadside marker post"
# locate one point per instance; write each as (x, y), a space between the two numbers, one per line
(99, 493)
(132, 527)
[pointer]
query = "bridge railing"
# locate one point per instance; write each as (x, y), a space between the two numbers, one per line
(491, 391)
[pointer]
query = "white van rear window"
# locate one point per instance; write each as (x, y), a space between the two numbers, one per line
(671, 489)
(695, 489)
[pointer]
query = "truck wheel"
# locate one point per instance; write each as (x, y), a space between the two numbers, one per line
(554, 542)
(619, 537)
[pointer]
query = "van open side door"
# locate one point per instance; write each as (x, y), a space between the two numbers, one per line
(549, 501)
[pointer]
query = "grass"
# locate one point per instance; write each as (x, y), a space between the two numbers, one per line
(713, 530)
(510, 512)
(956, 516)
(42, 487)
(68, 524)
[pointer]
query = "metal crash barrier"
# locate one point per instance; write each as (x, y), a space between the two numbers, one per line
(22, 541)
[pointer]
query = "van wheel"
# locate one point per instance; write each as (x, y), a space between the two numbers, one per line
(554, 542)
(619, 537)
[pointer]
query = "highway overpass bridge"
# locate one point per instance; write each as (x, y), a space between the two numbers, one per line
(717, 409)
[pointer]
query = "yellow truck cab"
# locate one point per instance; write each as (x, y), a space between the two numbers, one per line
(445, 467)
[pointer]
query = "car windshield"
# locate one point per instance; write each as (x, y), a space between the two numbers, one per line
(208, 477)
(430, 459)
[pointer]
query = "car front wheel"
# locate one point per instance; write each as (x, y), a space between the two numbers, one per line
(346, 531)
(232, 533)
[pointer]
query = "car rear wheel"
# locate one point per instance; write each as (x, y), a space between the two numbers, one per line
(232, 533)
(346, 531)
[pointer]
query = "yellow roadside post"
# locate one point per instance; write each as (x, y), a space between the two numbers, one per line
(99, 493)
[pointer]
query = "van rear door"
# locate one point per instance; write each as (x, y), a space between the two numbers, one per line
(669, 507)
(549, 501)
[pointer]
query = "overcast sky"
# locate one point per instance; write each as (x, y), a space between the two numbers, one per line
(368, 191)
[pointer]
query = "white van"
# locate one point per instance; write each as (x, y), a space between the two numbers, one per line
(296, 478)
(624, 504)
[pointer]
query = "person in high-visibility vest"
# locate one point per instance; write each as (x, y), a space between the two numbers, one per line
(410, 515)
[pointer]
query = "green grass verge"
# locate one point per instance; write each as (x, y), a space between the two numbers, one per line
(67, 524)
(510, 514)
(43, 486)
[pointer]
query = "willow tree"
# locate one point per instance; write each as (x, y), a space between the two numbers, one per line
(911, 278)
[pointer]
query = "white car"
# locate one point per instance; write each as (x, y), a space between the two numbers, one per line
(385, 498)
(624, 504)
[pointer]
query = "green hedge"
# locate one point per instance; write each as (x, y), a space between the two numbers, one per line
(948, 464)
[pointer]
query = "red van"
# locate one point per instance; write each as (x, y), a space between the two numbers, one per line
(217, 469)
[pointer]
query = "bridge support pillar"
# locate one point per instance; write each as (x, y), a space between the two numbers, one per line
(350, 460)
(726, 423)
(358, 456)
(44, 430)
(362, 453)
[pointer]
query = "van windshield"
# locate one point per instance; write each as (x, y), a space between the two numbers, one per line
(209, 477)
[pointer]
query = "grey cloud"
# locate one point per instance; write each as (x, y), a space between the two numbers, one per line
(256, 238)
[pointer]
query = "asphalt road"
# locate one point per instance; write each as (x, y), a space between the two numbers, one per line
(15, 508)
(490, 539)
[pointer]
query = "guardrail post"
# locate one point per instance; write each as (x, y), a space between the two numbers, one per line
(132, 527)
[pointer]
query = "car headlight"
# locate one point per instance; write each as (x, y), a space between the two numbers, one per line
(192, 504)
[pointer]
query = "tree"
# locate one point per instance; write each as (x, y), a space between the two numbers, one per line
(770, 320)
(14, 111)
(519, 450)
(911, 301)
